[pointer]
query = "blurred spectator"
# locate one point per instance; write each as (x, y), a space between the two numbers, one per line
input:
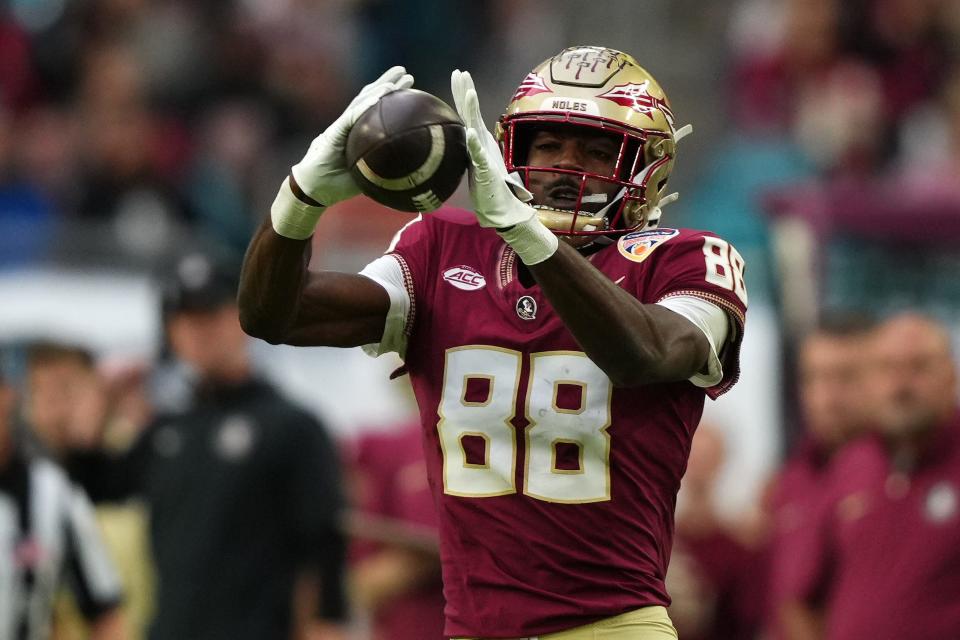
(885, 562)
(713, 575)
(48, 537)
(833, 367)
(243, 488)
(396, 576)
(68, 405)
(131, 155)
(64, 404)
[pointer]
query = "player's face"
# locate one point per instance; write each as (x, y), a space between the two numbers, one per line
(832, 387)
(914, 378)
(575, 149)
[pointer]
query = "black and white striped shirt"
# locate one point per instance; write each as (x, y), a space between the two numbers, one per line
(48, 534)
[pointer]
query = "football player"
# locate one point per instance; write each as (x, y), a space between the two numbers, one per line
(560, 384)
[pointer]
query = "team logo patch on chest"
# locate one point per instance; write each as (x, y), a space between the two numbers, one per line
(527, 308)
(638, 245)
(465, 278)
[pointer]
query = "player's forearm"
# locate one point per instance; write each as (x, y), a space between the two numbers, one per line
(271, 283)
(633, 343)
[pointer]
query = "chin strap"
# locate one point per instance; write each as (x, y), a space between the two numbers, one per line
(653, 218)
(682, 132)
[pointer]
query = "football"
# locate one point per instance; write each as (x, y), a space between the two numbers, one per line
(408, 151)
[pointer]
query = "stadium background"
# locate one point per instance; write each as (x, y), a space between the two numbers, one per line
(826, 148)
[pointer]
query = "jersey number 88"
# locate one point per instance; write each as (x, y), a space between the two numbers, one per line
(486, 417)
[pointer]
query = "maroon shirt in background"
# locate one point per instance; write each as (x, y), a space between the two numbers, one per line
(730, 574)
(514, 564)
(888, 544)
(392, 483)
(793, 503)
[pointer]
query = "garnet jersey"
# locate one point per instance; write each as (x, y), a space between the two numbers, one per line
(555, 490)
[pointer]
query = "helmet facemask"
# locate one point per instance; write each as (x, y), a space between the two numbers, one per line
(594, 204)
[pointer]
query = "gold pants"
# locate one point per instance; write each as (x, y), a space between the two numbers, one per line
(648, 623)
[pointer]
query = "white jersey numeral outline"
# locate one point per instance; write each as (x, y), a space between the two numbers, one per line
(724, 266)
(551, 426)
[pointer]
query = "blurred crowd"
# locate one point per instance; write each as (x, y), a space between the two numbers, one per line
(845, 117)
(133, 130)
(131, 127)
(150, 124)
(855, 535)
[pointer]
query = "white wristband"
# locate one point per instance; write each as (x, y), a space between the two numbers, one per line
(291, 217)
(532, 241)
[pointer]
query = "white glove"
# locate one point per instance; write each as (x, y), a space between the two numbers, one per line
(465, 100)
(493, 199)
(323, 173)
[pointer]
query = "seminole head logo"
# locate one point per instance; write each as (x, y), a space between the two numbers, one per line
(638, 98)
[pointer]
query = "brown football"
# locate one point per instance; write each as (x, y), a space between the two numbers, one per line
(408, 151)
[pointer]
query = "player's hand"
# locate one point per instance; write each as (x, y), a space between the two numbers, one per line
(490, 186)
(493, 201)
(461, 84)
(499, 199)
(323, 173)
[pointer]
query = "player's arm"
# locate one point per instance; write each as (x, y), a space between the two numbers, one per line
(280, 299)
(632, 342)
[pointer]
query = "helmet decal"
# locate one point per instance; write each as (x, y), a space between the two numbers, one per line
(638, 98)
(586, 66)
(575, 105)
(531, 86)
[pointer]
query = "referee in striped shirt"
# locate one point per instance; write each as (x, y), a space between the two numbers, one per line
(48, 534)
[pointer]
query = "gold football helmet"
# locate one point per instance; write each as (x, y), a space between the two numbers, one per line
(601, 90)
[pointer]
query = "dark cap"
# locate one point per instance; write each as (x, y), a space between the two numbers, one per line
(199, 283)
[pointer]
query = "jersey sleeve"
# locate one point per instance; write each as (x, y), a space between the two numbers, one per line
(713, 323)
(701, 265)
(402, 272)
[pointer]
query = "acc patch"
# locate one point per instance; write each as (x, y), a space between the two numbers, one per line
(638, 245)
(464, 277)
